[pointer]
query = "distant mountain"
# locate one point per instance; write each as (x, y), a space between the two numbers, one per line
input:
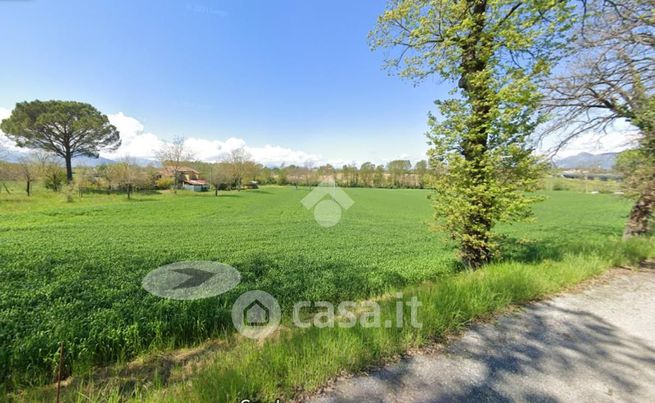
(90, 162)
(588, 160)
(15, 156)
(93, 162)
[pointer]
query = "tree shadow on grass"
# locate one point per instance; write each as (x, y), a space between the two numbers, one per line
(531, 251)
(299, 279)
(549, 353)
(226, 195)
(552, 247)
(138, 200)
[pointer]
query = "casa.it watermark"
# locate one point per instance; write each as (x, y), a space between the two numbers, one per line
(347, 314)
(257, 314)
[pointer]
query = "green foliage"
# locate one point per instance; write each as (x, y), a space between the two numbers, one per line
(495, 51)
(559, 186)
(636, 169)
(54, 177)
(432, 37)
(480, 189)
(638, 165)
(164, 183)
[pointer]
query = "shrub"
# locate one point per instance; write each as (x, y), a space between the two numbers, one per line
(164, 183)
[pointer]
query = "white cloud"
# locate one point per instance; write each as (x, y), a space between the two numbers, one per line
(596, 144)
(276, 155)
(620, 136)
(136, 142)
(5, 142)
(139, 143)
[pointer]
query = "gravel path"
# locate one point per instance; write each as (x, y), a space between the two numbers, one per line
(594, 345)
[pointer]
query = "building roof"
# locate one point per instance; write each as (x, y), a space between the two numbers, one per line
(196, 182)
(170, 171)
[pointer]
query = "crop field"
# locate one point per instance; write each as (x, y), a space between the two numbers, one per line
(72, 271)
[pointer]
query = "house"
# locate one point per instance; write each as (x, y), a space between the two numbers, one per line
(189, 178)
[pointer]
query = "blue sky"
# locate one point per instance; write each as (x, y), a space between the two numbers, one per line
(293, 74)
(289, 80)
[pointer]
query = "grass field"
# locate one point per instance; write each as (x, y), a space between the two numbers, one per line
(72, 271)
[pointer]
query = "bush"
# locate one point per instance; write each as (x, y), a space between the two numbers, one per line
(55, 178)
(164, 183)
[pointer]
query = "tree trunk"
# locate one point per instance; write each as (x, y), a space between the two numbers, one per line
(641, 213)
(28, 188)
(475, 246)
(69, 168)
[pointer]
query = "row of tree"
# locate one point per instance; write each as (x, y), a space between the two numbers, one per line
(50, 170)
(238, 166)
(235, 170)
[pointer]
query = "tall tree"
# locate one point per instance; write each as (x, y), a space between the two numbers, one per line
(398, 170)
(128, 175)
(493, 50)
(29, 170)
(282, 174)
(219, 176)
(636, 166)
(326, 172)
(609, 77)
(5, 170)
(366, 172)
(65, 128)
(237, 161)
(421, 171)
(7, 173)
(379, 178)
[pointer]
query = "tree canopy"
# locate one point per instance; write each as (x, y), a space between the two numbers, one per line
(65, 128)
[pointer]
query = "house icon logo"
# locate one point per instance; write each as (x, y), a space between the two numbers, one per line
(327, 210)
(256, 314)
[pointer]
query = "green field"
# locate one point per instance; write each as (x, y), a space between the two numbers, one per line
(72, 271)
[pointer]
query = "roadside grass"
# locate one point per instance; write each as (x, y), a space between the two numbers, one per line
(302, 361)
(299, 361)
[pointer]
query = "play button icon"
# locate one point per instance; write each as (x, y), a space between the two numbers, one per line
(191, 280)
(196, 278)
